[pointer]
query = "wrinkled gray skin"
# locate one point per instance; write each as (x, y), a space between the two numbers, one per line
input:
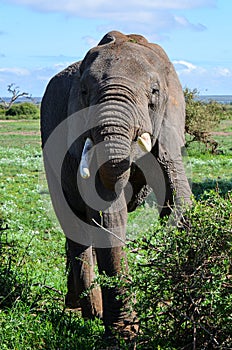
(137, 90)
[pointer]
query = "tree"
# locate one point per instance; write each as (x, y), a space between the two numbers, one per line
(16, 93)
(201, 119)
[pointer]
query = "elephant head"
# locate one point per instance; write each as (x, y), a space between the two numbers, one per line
(127, 80)
(137, 97)
(124, 94)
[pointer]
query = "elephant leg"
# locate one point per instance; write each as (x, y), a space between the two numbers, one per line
(81, 261)
(116, 313)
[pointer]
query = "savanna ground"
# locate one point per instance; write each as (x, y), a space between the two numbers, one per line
(33, 273)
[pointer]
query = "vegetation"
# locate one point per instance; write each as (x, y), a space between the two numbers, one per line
(181, 278)
(13, 110)
(201, 119)
(204, 118)
(25, 110)
(15, 95)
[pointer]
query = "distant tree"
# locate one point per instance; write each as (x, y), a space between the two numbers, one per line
(201, 119)
(16, 93)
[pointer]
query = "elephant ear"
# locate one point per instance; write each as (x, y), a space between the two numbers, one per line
(170, 123)
(55, 100)
(107, 39)
(75, 111)
(72, 105)
(171, 138)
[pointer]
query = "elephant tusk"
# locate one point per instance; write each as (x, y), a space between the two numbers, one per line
(85, 159)
(144, 142)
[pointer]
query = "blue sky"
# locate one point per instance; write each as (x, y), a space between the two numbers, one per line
(40, 37)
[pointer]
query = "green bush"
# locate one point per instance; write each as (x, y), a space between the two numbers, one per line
(2, 110)
(182, 279)
(227, 111)
(25, 110)
(201, 118)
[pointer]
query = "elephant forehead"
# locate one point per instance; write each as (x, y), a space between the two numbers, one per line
(121, 58)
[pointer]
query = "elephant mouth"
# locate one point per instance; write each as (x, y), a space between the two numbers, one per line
(144, 142)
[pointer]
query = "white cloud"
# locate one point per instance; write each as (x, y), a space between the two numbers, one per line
(71, 6)
(155, 14)
(90, 41)
(187, 69)
(43, 78)
(184, 67)
(183, 22)
(207, 80)
(34, 80)
(222, 72)
(15, 71)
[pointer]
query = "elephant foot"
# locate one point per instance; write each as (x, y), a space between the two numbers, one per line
(71, 301)
(126, 330)
(90, 306)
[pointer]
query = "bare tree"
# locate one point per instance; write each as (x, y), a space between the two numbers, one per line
(16, 93)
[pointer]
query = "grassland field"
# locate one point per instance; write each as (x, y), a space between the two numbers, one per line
(32, 254)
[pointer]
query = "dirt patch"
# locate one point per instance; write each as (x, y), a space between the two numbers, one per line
(15, 120)
(222, 133)
(20, 133)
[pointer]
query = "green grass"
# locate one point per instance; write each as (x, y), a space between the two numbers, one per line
(211, 167)
(32, 273)
(16, 126)
(225, 125)
(32, 260)
(18, 133)
(210, 171)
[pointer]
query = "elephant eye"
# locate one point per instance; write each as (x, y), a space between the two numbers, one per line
(84, 95)
(84, 91)
(154, 97)
(155, 89)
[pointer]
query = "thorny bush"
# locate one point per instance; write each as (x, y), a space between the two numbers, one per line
(181, 279)
(201, 119)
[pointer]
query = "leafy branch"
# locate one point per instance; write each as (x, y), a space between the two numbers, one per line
(201, 119)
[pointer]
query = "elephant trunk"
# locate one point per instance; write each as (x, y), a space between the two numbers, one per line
(113, 136)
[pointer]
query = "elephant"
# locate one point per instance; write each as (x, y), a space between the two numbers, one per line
(112, 128)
